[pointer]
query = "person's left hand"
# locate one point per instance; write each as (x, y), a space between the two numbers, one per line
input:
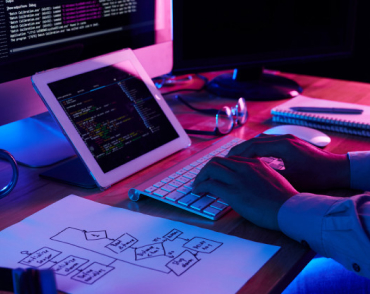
(249, 186)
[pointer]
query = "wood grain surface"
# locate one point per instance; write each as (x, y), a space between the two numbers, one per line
(33, 193)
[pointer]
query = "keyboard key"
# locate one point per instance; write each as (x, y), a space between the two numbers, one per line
(174, 176)
(200, 160)
(267, 159)
(188, 167)
(200, 166)
(188, 199)
(202, 203)
(211, 196)
(150, 189)
(208, 156)
(189, 175)
(160, 193)
(183, 179)
(176, 183)
(277, 164)
(227, 145)
(168, 188)
(184, 190)
(211, 211)
(281, 163)
(195, 171)
(281, 166)
(195, 163)
(222, 201)
(219, 205)
(166, 180)
(158, 184)
(181, 171)
(174, 196)
(189, 185)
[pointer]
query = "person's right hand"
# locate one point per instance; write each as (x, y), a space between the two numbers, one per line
(306, 167)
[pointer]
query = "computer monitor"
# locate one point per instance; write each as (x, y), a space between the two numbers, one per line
(41, 35)
(249, 35)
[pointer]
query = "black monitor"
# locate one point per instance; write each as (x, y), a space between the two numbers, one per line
(250, 35)
(39, 35)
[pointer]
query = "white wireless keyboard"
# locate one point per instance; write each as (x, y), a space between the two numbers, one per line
(174, 186)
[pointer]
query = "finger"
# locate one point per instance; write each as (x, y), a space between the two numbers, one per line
(212, 187)
(235, 163)
(242, 158)
(214, 170)
(276, 146)
(263, 135)
(225, 170)
(239, 149)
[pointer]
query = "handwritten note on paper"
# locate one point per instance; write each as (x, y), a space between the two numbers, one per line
(95, 248)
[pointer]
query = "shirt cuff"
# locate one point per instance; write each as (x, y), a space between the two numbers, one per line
(301, 218)
(360, 170)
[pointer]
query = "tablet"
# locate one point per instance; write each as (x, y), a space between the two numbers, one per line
(112, 113)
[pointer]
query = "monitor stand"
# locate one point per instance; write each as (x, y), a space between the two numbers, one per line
(27, 129)
(39, 142)
(71, 172)
(36, 141)
(253, 84)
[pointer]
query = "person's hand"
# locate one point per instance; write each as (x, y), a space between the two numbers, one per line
(249, 186)
(306, 166)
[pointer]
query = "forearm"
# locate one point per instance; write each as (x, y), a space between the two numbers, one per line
(334, 227)
(360, 170)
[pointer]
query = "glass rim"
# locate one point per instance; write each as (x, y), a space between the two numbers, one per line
(230, 117)
(10, 186)
(241, 116)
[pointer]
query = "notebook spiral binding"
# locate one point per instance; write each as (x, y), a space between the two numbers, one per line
(321, 122)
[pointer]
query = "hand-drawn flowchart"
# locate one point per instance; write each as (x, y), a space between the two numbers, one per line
(96, 248)
(171, 253)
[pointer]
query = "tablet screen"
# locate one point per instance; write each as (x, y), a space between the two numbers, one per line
(115, 114)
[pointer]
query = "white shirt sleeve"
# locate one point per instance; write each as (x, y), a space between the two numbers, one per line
(335, 227)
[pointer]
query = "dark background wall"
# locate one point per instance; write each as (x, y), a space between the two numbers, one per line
(356, 67)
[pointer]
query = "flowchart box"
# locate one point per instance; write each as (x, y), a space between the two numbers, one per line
(95, 235)
(182, 263)
(68, 265)
(202, 245)
(122, 243)
(40, 257)
(172, 235)
(148, 251)
(92, 273)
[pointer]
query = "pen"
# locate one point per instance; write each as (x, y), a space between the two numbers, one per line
(328, 110)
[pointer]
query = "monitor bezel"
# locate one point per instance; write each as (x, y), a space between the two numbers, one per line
(182, 65)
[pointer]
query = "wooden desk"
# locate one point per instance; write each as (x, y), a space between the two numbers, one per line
(33, 193)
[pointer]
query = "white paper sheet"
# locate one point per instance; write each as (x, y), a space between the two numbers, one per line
(95, 248)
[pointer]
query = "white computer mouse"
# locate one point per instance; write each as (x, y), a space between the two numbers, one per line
(310, 135)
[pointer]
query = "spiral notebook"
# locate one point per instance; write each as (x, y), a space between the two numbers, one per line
(356, 124)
